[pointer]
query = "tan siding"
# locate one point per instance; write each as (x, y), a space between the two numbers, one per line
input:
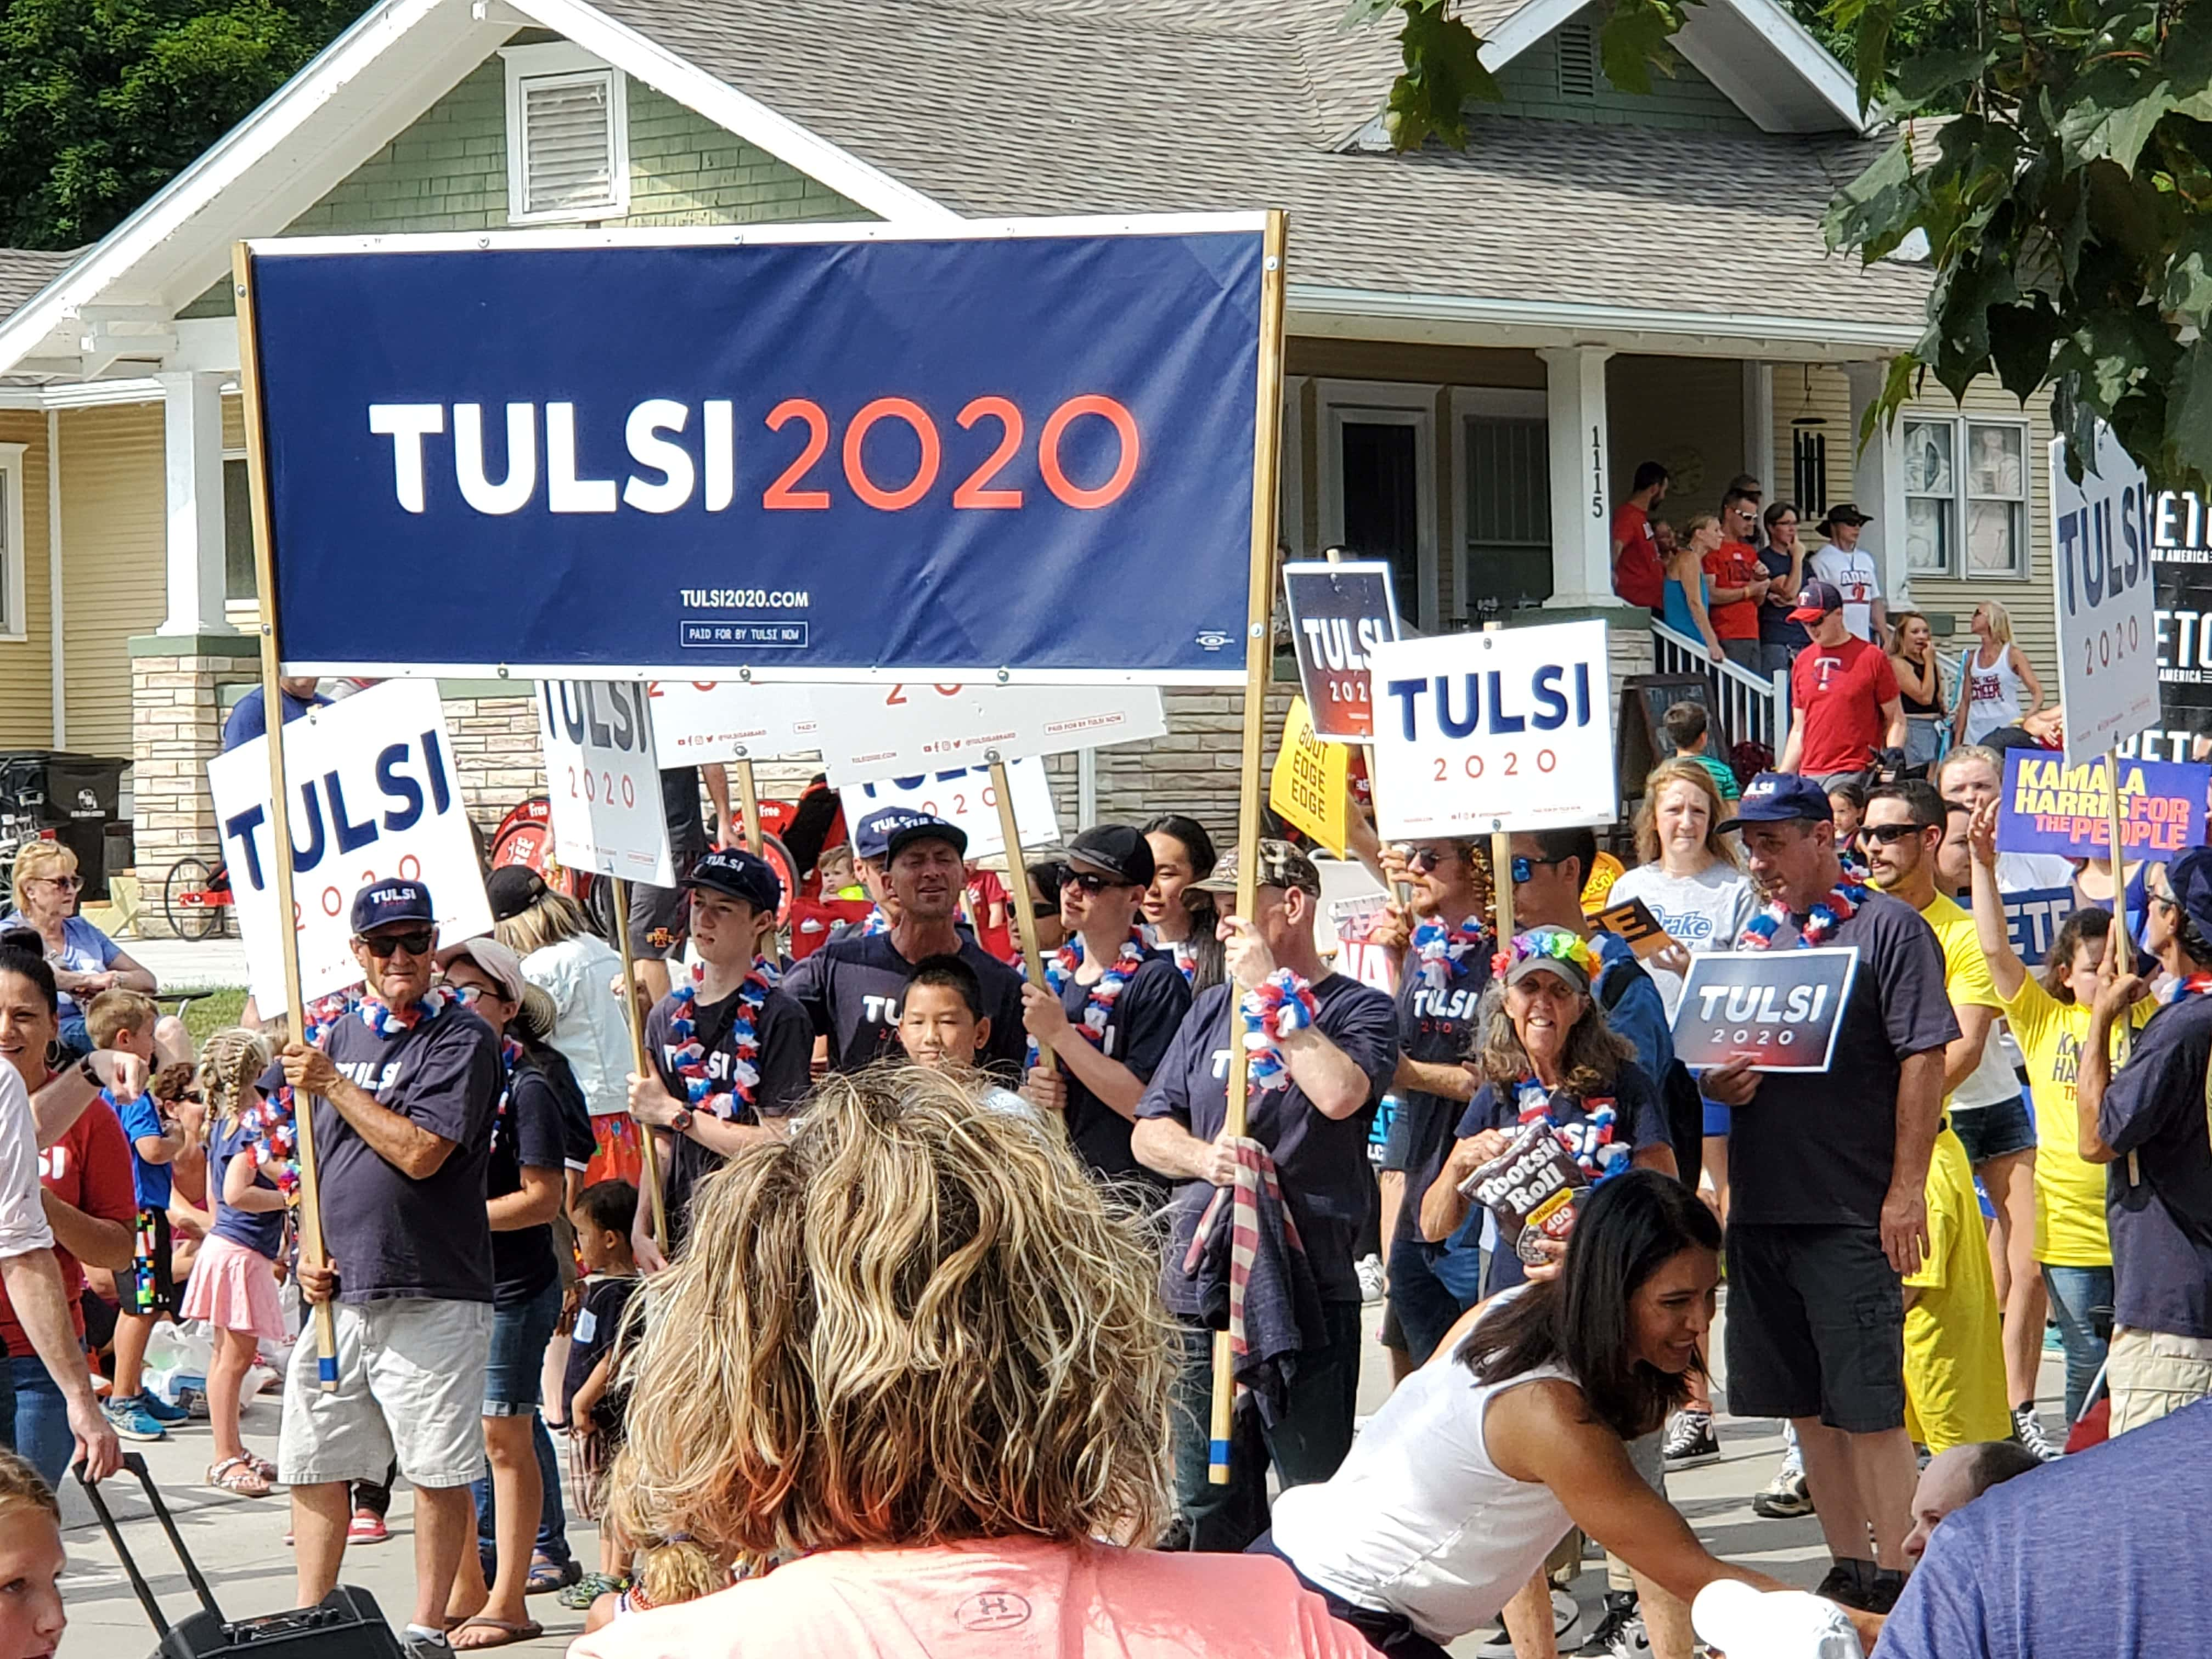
(1686, 413)
(27, 668)
(112, 529)
(233, 422)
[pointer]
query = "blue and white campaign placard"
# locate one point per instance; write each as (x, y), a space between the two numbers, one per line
(374, 796)
(819, 451)
(2106, 594)
(966, 796)
(1339, 613)
(695, 722)
(875, 731)
(2033, 918)
(603, 778)
(1508, 730)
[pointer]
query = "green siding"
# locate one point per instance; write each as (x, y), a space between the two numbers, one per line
(1683, 100)
(448, 172)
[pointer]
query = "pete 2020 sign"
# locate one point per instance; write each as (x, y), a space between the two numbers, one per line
(374, 795)
(2048, 806)
(1779, 1008)
(1502, 730)
(1338, 614)
(604, 780)
(2105, 599)
(821, 452)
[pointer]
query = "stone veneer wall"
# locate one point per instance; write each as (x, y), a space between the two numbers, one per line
(177, 713)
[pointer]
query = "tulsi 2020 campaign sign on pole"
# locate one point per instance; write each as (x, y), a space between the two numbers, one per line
(2105, 598)
(816, 452)
(603, 780)
(1338, 614)
(1476, 733)
(374, 795)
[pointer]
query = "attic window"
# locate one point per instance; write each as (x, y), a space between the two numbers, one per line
(1576, 54)
(568, 136)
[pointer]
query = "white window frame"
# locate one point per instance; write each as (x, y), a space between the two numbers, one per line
(1291, 480)
(1962, 424)
(563, 60)
(14, 619)
(1512, 402)
(1385, 402)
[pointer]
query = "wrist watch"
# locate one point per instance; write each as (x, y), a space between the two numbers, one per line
(89, 1072)
(681, 1122)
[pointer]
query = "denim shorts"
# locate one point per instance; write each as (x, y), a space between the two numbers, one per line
(1988, 1132)
(518, 1335)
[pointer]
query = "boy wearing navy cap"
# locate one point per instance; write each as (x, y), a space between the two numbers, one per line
(1111, 1006)
(852, 988)
(404, 1085)
(730, 1049)
(1828, 1179)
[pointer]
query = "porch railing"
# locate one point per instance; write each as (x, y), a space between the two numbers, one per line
(1753, 706)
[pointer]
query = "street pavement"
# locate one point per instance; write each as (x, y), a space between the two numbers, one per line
(239, 1542)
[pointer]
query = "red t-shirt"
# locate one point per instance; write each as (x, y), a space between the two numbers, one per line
(90, 1168)
(1734, 564)
(1636, 575)
(985, 889)
(1838, 691)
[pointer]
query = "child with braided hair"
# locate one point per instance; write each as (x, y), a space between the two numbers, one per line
(234, 1282)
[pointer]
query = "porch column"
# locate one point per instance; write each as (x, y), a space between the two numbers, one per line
(1574, 409)
(1759, 427)
(191, 421)
(1878, 484)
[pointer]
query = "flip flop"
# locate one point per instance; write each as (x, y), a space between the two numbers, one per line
(528, 1630)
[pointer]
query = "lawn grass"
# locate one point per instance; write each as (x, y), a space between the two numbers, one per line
(210, 1012)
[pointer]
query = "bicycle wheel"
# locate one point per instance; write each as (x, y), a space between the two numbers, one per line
(184, 900)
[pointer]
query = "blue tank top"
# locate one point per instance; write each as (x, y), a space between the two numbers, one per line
(1676, 613)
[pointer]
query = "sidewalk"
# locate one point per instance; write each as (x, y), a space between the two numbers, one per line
(212, 964)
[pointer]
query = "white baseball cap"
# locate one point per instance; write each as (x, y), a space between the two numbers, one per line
(1743, 1622)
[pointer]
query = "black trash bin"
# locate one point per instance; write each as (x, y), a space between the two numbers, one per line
(76, 797)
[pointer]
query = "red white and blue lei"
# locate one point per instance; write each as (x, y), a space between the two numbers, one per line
(728, 1103)
(2196, 985)
(1825, 916)
(1439, 952)
(1282, 1003)
(875, 922)
(1590, 1143)
(1098, 1007)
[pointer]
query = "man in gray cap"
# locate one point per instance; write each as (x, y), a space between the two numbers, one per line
(2148, 1123)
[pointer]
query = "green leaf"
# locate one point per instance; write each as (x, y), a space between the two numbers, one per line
(2189, 408)
(1364, 13)
(1635, 39)
(2188, 289)
(1443, 71)
(1876, 210)
(1926, 75)
(2021, 338)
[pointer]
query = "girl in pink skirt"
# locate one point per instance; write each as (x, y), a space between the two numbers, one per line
(234, 1282)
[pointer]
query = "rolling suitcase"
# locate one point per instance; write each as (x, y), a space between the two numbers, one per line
(346, 1626)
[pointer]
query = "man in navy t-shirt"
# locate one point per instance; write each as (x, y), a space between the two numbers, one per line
(851, 988)
(1112, 1006)
(1313, 1124)
(403, 1088)
(249, 717)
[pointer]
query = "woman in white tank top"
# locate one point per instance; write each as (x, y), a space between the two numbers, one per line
(1992, 674)
(1473, 1470)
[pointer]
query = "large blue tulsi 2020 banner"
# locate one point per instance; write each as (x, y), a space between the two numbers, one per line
(680, 454)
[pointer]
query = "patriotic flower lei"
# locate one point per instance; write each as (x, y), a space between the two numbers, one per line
(2196, 985)
(743, 1038)
(1281, 1003)
(1553, 942)
(274, 1143)
(1820, 922)
(1099, 1007)
(1589, 1143)
(876, 922)
(1184, 951)
(1440, 949)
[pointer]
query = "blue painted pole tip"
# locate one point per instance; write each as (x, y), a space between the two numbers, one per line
(326, 1369)
(1217, 1455)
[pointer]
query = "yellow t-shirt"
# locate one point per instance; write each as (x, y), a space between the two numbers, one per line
(2070, 1190)
(1954, 1375)
(1966, 980)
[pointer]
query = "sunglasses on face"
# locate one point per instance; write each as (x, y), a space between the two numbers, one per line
(67, 883)
(385, 947)
(1523, 868)
(1089, 881)
(1888, 834)
(1042, 910)
(1424, 860)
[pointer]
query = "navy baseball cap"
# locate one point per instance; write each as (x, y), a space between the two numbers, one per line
(922, 826)
(738, 874)
(387, 904)
(2190, 877)
(1780, 798)
(873, 836)
(1815, 600)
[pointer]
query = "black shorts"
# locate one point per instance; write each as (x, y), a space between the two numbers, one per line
(659, 920)
(1815, 1327)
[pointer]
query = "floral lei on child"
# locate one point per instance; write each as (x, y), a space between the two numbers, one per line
(1099, 1008)
(731, 1102)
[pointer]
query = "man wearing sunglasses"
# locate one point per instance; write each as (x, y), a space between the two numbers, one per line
(1112, 1006)
(403, 1088)
(852, 988)
(2148, 1123)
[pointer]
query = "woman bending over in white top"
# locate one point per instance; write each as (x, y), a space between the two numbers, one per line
(1473, 1471)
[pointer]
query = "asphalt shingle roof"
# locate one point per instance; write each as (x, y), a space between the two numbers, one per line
(1020, 106)
(24, 271)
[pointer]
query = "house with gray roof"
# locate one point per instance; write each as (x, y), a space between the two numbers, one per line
(1482, 345)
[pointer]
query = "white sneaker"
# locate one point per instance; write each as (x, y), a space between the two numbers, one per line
(1370, 1269)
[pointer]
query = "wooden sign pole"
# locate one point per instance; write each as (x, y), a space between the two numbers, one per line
(312, 1253)
(1018, 880)
(1501, 867)
(749, 805)
(647, 1145)
(1258, 664)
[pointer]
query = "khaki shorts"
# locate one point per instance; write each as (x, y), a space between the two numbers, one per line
(410, 1389)
(2151, 1374)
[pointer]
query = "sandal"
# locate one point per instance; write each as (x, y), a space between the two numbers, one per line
(528, 1630)
(546, 1576)
(265, 1468)
(238, 1475)
(580, 1595)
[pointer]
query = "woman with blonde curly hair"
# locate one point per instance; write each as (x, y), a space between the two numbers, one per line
(912, 1376)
